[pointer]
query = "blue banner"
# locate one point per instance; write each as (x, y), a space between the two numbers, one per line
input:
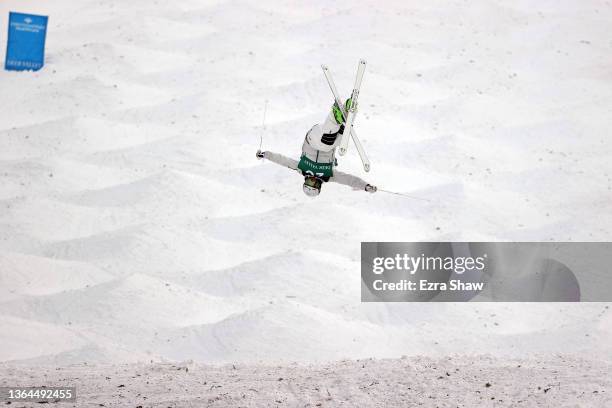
(26, 42)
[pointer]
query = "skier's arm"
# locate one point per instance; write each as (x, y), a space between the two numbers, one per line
(352, 181)
(279, 159)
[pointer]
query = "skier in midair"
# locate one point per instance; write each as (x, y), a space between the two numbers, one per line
(319, 156)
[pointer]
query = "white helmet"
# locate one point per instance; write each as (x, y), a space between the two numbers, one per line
(312, 186)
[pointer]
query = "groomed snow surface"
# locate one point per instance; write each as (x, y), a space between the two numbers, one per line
(405, 382)
(136, 224)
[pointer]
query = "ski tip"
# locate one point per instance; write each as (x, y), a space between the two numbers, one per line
(366, 167)
(324, 67)
(363, 62)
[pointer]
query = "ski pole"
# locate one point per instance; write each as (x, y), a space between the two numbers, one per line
(404, 195)
(263, 125)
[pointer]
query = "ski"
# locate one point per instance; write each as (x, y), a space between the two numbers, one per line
(338, 99)
(361, 151)
(332, 86)
(352, 108)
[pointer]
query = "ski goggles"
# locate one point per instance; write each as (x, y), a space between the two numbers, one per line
(313, 182)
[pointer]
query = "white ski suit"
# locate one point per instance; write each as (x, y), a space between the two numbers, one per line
(319, 148)
(321, 141)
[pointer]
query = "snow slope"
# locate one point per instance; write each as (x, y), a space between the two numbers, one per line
(405, 382)
(136, 223)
